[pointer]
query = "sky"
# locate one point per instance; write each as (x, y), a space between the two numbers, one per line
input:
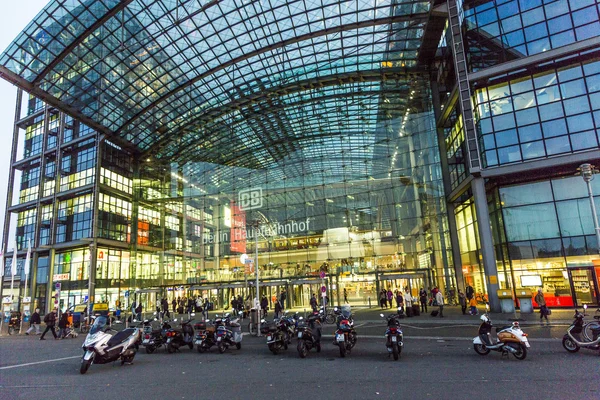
(14, 17)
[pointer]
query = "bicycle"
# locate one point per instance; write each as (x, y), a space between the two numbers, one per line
(590, 326)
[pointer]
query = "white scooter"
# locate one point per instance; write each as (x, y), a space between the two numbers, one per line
(100, 347)
(510, 339)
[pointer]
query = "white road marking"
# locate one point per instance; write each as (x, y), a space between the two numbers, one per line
(38, 362)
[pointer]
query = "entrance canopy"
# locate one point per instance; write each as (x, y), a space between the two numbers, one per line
(244, 83)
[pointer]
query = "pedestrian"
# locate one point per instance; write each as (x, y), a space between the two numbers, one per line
(313, 302)
(63, 322)
(407, 298)
(138, 312)
(282, 298)
(469, 292)
(473, 305)
(174, 305)
(423, 299)
(264, 306)
(382, 299)
(345, 295)
(34, 322)
(198, 304)
(50, 321)
(440, 301)
(541, 301)
(399, 299)
(462, 300)
(206, 308)
(390, 298)
(278, 309)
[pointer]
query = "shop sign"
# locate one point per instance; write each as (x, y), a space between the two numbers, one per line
(101, 307)
(60, 277)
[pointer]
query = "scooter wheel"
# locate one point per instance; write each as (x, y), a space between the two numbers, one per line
(395, 352)
(302, 350)
(342, 350)
(85, 365)
(481, 349)
(191, 346)
(150, 349)
(200, 349)
(521, 352)
(569, 344)
(273, 349)
(221, 348)
(170, 349)
(238, 345)
(318, 347)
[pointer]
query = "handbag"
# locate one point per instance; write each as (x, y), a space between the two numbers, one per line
(548, 311)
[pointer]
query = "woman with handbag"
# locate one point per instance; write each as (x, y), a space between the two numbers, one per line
(539, 299)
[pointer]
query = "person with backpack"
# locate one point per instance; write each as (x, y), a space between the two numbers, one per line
(50, 321)
(63, 322)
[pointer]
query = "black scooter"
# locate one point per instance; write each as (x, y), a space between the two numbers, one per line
(309, 333)
(152, 339)
(205, 336)
(180, 337)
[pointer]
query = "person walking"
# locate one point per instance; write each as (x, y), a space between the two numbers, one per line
(63, 322)
(390, 298)
(278, 309)
(473, 305)
(50, 321)
(282, 298)
(423, 300)
(264, 306)
(34, 322)
(462, 300)
(541, 301)
(345, 295)
(439, 298)
(313, 302)
(382, 299)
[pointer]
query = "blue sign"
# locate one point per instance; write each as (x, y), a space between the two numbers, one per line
(127, 293)
(85, 299)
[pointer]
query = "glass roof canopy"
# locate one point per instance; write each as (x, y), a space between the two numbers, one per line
(231, 82)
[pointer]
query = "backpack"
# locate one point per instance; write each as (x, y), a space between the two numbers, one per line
(47, 318)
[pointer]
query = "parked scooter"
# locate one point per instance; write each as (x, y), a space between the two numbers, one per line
(100, 347)
(229, 333)
(205, 336)
(394, 337)
(180, 337)
(308, 332)
(576, 336)
(510, 339)
(152, 339)
(279, 333)
(345, 335)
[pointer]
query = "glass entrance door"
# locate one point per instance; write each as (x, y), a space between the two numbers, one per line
(584, 286)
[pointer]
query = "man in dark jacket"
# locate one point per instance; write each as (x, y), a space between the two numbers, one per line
(469, 292)
(423, 299)
(264, 306)
(50, 320)
(63, 322)
(34, 322)
(313, 302)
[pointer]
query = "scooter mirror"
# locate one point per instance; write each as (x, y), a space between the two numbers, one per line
(207, 320)
(381, 315)
(335, 308)
(300, 319)
(585, 307)
(226, 315)
(135, 320)
(193, 314)
(240, 313)
(154, 313)
(399, 308)
(156, 319)
(175, 320)
(262, 321)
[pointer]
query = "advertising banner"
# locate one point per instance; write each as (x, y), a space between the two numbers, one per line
(238, 229)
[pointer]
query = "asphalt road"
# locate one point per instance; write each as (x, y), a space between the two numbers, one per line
(428, 368)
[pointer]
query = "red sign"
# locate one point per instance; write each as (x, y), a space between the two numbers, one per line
(238, 229)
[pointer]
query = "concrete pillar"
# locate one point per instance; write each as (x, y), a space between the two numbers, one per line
(486, 241)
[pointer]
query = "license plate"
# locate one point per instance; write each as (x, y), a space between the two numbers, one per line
(339, 337)
(527, 344)
(145, 341)
(269, 338)
(169, 340)
(219, 339)
(198, 342)
(394, 339)
(299, 334)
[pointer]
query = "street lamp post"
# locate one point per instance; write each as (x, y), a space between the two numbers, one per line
(258, 309)
(587, 173)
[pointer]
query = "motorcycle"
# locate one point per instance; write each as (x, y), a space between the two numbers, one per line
(309, 333)
(152, 339)
(229, 333)
(394, 342)
(100, 347)
(14, 325)
(576, 336)
(510, 339)
(180, 337)
(205, 336)
(279, 333)
(345, 335)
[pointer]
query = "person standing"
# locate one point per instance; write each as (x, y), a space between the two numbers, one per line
(50, 321)
(407, 298)
(399, 299)
(34, 322)
(423, 299)
(473, 305)
(541, 301)
(390, 298)
(278, 309)
(382, 299)
(440, 301)
(462, 300)
(282, 298)
(264, 306)
(174, 305)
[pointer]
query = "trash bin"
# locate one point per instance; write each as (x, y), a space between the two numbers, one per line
(525, 302)
(253, 316)
(506, 300)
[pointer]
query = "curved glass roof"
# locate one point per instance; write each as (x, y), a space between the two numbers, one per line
(229, 82)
